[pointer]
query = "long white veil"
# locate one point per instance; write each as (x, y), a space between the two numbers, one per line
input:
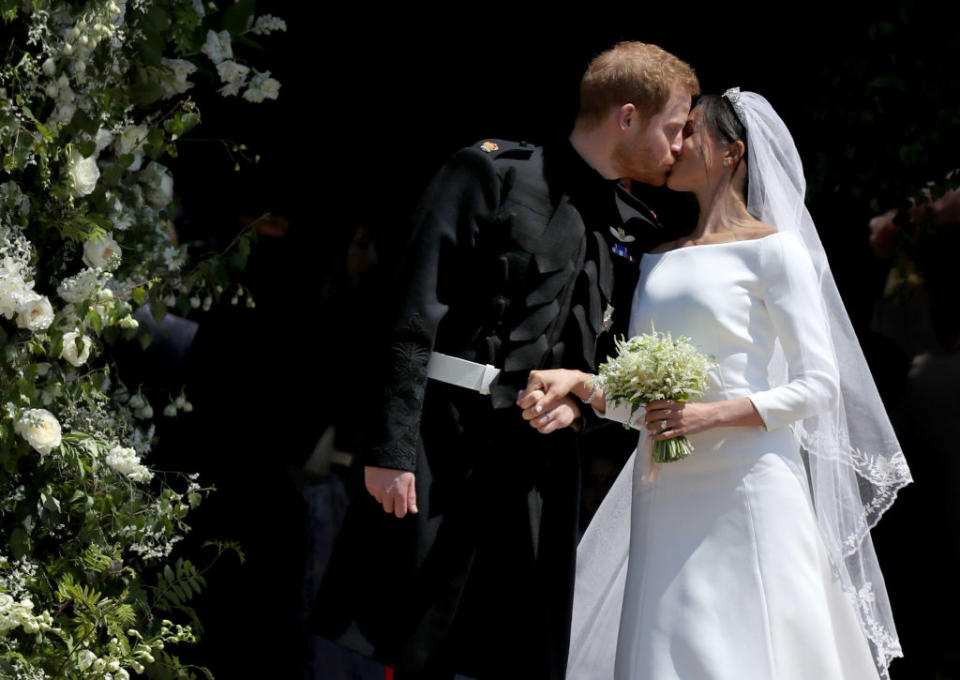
(855, 463)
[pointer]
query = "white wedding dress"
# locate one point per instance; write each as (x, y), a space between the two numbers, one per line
(716, 568)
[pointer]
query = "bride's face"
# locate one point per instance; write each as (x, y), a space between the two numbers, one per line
(700, 158)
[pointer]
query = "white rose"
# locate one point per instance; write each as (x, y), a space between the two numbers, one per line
(69, 351)
(159, 185)
(85, 659)
(218, 46)
(35, 313)
(122, 675)
(170, 411)
(13, 291)
(40, 428)
(83, 173)
(99, 252)
(50, 66)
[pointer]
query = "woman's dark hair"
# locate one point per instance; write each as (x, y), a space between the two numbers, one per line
(717, 113)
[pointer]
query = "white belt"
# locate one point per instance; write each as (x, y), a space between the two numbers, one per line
(461, 372)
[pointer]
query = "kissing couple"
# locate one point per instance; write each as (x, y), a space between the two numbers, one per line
(750, 558)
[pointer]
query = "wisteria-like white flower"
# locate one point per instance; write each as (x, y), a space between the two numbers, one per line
(40, 428)
(234, 76)
(218, 46)
(158, 184)
(99, 252)
(174, 257)
(199, 8)
(261, 87)
(82, 286)
(70, 353)
(83, 173)
(125, 461)
(14, 614)
(268, 23)
(35, 313)
(177, 83)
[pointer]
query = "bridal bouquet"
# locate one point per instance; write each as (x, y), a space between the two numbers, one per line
(655, 366)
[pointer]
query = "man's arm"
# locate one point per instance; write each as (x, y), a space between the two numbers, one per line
(462, 197)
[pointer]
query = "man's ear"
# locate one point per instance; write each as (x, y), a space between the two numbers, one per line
(626, 116)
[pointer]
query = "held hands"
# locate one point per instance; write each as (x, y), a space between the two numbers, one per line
(546, 402)
(395, 490)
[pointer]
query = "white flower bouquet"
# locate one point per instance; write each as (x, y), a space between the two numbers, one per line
(655, 366)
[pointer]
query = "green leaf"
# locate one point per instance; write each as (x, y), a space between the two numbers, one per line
(19, 542)
(139, 295)
(145, 338)
(112, 174)
(94, 320)
(238, 16)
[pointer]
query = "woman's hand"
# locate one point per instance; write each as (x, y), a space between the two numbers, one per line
(666, 418)
(562, 414)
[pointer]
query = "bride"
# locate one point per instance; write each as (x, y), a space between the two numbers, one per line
(751, 558)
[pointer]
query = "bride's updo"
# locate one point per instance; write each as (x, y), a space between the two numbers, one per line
(716, 112)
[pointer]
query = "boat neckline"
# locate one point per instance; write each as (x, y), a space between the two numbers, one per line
(721, 243)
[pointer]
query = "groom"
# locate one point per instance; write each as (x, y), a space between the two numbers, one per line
(461, 556)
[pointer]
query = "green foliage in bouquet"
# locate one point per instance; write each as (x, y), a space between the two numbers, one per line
(652, 367)
(92, 100)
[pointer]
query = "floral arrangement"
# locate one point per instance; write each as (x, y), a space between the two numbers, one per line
(93, 98)
(655, 366)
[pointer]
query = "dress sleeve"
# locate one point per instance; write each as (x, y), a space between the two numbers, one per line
(464, 195)
(620, 413)
(794, 303)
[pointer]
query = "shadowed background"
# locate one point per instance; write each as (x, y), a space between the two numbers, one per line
(372, 103)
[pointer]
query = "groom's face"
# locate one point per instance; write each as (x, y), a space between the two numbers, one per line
(647, 153)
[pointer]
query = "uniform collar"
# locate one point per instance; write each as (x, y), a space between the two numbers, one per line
(573, 173)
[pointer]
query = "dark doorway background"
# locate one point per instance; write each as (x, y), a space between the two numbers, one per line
(372, 102)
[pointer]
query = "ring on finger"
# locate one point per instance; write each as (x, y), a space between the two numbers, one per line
(663, 425)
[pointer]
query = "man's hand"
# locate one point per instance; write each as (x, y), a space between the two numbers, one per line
(560, 415)
(395, 490)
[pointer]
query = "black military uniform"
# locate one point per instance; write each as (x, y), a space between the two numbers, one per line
(522, 257)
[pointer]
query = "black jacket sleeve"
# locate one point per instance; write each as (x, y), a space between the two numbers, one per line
(433, 277)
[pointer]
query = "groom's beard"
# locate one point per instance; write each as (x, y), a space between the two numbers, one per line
(638, 162)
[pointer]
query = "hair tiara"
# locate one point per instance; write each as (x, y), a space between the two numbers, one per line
(733, 97)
